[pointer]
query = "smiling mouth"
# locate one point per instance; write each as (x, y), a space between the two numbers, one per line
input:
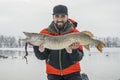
(60, 23)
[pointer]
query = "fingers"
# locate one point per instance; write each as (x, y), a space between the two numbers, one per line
(42, 44)
(41, 47)
(69, 50)
(75, 45)
(72, 46)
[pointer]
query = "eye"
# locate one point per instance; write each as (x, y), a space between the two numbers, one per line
(62, 16)
(57, 16)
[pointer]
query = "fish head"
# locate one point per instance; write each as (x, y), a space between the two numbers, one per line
(34, 38)
(27, 34)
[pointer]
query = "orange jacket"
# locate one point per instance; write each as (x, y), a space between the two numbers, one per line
(59, 62)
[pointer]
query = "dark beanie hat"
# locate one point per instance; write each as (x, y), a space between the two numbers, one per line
(60, 9)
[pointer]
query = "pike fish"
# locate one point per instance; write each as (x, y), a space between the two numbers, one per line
(85, 38)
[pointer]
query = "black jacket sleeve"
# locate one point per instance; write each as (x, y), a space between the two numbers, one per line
(76, 55)
(40, 55)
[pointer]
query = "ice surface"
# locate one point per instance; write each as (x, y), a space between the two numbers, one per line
(98, 66)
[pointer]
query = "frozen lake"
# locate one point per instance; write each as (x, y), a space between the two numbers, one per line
(98, 66)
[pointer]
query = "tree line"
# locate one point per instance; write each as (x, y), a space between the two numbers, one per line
(12, 42)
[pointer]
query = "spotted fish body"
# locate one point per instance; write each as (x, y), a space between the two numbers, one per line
(85, 38)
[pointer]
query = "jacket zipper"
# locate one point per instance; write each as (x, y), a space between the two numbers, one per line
(60, 63)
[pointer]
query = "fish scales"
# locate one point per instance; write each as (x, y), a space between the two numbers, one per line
(85, 38)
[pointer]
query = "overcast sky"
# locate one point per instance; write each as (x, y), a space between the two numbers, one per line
(101, 17)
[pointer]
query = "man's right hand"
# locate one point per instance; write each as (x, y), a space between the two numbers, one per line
(41, 48)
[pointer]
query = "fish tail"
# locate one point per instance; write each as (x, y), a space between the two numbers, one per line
(99, 45)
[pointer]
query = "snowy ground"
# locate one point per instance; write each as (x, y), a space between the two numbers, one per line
(98, 66)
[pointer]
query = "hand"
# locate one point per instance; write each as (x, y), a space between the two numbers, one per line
(69, 50)
(41, 48)
(72, 46)
(75, 45)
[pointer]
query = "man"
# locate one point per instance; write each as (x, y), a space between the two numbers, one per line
(61, 64)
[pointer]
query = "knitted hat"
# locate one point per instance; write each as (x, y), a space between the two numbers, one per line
(60, 9)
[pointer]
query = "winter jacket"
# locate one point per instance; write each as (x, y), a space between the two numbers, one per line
(59, 62)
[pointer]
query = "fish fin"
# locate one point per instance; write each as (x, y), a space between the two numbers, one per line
(88, 33)
(100, 45)
(87, 47)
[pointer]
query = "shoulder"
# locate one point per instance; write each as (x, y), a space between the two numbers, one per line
(73, 22)
(45, 31)
(75, 30)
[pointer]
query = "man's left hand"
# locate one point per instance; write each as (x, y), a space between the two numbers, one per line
(72, 46)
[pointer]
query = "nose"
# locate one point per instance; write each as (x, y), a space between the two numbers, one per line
(59, 19)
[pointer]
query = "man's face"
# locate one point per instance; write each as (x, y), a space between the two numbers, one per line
(60, 19)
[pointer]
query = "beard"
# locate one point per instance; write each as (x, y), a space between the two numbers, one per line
(60, 24)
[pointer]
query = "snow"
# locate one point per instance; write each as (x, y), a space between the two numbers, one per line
(98, 66)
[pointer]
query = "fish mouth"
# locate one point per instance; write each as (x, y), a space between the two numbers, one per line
(27, 34)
